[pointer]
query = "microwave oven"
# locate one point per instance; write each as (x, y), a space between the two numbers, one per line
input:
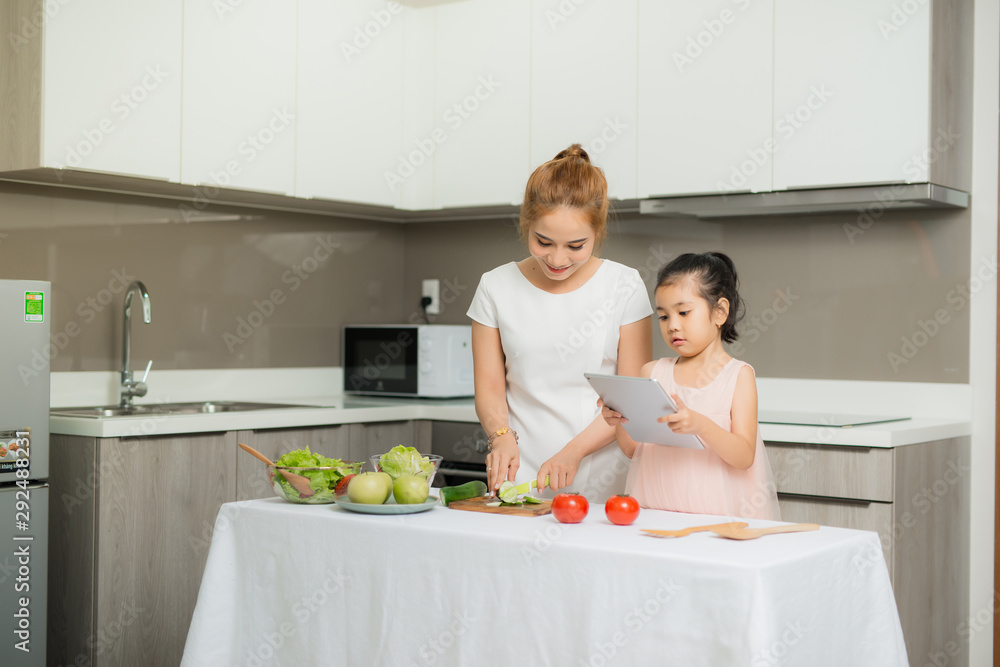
(418, 360)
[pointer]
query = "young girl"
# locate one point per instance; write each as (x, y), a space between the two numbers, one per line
(698, 305)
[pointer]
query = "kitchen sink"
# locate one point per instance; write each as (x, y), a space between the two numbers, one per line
(154, 409)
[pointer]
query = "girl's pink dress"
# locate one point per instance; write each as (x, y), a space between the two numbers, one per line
(698, 480)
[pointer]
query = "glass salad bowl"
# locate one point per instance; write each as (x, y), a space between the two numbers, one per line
(408, 463)
(311, 485)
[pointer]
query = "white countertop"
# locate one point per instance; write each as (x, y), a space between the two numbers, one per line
(318, 389)
(316, 411)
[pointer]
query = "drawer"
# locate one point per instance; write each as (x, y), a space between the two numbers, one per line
(375, 438)
(463, 442)
(876, 517)
(857, 473)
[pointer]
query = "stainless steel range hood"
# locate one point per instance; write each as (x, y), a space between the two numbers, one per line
(872, 198)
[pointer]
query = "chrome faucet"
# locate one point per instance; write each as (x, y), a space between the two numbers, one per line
(129, 387)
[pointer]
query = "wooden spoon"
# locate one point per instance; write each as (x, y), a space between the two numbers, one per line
(298, 482)
(694, 529)
(753, 533)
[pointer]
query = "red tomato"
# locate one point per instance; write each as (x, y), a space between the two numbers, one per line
(622, 510)
(341, 487)
(569, 507)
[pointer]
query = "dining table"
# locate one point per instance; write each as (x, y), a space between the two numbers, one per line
(295, 584)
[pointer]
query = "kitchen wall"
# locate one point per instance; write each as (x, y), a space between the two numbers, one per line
(269, 290)
(830, 296)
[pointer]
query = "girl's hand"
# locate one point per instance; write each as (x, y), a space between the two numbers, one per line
(612, 417)
(560, 469)
(685, 420)
(502, 462)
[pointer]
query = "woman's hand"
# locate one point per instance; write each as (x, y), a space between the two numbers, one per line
(502, 462)
(560, 470)
(611, 417)
(685, 420)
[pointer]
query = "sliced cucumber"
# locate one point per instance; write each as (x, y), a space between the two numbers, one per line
(507, 492)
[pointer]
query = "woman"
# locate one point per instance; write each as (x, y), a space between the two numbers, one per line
(540, 323)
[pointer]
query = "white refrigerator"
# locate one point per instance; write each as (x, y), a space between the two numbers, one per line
(25, 348)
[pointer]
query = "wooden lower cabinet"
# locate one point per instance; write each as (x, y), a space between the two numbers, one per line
(916, 497)
(129, 534)
(131, 521)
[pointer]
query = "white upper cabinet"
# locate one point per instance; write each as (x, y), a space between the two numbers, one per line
(583, 85)
(851, 92)
(411, 162)
(350, 101)
(437, 105)
(239, 94)
(481, 120)
(704, 110)
(111, 83)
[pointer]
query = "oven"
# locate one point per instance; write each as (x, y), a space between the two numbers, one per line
(464, 447)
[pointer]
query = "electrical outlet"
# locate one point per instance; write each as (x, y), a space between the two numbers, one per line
(431, 288)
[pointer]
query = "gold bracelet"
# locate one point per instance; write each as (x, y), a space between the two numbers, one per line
(504, 431)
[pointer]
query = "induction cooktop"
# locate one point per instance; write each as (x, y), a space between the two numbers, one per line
(833, 419)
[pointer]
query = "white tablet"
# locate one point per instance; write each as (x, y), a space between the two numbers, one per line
(641, 401)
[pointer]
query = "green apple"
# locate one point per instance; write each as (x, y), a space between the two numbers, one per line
(367, 488)
(387, 480)
(410, 490)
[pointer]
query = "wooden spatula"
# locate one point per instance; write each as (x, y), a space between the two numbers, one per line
(298, 482)
(694, 529)
(753, 533)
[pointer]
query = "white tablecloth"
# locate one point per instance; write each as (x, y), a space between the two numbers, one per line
(319, 585)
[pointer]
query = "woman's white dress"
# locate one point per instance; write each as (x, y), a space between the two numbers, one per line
(549, 341)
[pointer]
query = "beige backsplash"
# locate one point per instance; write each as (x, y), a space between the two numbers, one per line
(818, 304)
(827, 297)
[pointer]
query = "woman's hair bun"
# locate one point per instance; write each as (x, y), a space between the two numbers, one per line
(569, 180)
(576, 150)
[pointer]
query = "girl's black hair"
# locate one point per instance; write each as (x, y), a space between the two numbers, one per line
(716, 276)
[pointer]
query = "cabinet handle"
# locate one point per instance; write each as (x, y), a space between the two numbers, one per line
(827, 499)
(816, 446)
(464, 473)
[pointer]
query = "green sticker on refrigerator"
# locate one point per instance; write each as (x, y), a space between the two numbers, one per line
(34, 306)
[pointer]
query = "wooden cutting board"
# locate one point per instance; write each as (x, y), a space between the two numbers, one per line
(479, 505)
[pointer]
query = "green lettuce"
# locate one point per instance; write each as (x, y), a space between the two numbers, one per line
(323, 482)
(402, 460)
